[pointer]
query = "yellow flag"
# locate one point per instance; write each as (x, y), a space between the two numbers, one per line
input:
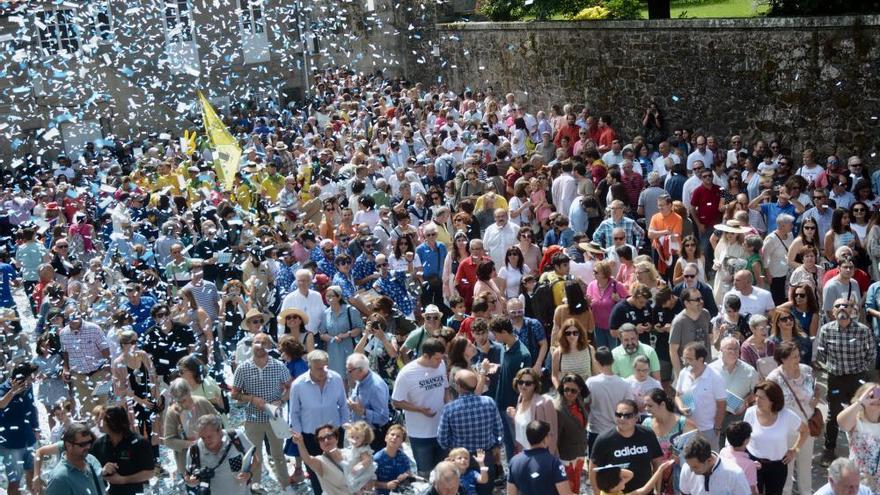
(225, 145)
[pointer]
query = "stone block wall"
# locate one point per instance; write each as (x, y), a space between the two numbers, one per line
(804, 80)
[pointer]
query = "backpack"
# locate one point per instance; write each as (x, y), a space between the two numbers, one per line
(543, 304)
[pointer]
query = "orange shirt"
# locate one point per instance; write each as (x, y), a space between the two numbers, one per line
(671, 222)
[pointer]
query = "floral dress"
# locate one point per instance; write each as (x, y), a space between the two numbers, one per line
(864, 450)
(670, 480)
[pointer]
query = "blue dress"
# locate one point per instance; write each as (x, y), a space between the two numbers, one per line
(334, 324)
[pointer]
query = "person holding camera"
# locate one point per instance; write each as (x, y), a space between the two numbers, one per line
(127, 464)
(221, 462)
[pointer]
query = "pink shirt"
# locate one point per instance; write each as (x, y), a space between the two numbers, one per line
(748, 466)
(603, 303)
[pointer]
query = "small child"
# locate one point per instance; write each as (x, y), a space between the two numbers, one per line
(611, 479)
(458, 309)
(357, 459)
(738, 435)
(60, 411)
(469, 477)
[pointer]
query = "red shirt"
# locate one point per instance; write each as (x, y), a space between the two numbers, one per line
(633, 185)
(860, 276)
(465, 329)
(705, 201)
(605, 138)
(465, 278)
(572, 132)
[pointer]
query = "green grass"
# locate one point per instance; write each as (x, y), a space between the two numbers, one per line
(716, 9)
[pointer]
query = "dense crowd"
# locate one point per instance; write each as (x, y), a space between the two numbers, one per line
(517, 298)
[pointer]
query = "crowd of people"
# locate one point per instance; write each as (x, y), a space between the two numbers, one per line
(519, 298)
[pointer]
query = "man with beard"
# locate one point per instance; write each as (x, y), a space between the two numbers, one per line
(625, 354)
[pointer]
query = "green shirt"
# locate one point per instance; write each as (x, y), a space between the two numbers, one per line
(624, 363)
(67, 479)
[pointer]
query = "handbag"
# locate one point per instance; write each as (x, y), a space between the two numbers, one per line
(814, 422)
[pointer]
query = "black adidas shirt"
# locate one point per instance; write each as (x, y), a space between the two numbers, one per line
(638, 450)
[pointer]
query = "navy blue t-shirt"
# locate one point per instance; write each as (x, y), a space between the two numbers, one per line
(536, 472)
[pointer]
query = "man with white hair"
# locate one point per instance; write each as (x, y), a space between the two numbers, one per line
(499, 236)
(446, 479)
(843, 479)
(305, 299)
(775, 254)
(368, 399)
(317, 398)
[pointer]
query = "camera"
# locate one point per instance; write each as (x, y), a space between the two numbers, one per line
(205, 475)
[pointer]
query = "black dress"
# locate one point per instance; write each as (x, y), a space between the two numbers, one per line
(139, 381)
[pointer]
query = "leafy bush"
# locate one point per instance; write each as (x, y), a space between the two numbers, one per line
(823, 7)
(623, 9)
(592, 14)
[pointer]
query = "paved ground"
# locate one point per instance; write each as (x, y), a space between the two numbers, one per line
(165, 485)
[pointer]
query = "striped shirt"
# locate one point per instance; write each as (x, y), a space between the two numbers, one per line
(267, 383)
(84, 348)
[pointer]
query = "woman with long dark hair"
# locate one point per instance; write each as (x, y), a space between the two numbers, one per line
(808, 236)
(841, 234)
(667, 424)
(512, 272)
(459, 251)
(804, 307)
(575, 305)
(690, 253)
(571, 415)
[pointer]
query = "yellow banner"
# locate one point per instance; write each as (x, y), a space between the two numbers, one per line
(228, 153)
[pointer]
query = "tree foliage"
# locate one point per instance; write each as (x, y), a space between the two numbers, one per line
(514, 10)
(822, 7)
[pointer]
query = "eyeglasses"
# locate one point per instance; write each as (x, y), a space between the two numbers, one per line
(351, 370)
(161, 315)
(328, 251)
(82, 445)
(706, 176)
(641, 370)
(620, 415)
(570, 390)
(324, 438)
(526, 383)
(699, 299)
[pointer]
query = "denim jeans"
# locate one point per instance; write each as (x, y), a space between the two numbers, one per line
(603, 338)
(427, 453)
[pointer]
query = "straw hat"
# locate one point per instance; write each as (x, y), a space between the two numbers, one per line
(733, 227)
(591, 247)
(293, 311)
(253, 313)
(8, 314)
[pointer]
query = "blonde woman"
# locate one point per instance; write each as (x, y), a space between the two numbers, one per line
(861, 422)
(646, 274)
(730, 257)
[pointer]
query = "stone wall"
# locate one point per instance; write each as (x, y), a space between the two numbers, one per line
(804, 80)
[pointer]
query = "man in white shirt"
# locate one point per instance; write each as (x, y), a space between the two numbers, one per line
(499, 236)
(702, 154)
(693, 182)
(734, 151)
(306, 300)
(564, 188)
(700, 393)
(614, 156)
(775, 254)
(754, 300)
(705, 472)
(660, 161)
(843, 479)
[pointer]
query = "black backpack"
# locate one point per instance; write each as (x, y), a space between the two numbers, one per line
(543, 304)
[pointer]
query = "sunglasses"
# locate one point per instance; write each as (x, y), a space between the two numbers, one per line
(527, 236)
(161, 315)
(799, 294)
(258, 321)
(620, 415)
(324, 438)
(859, 210)
(619, 238)
(572, 333)
(345, 262)
(61, 246)
(87, 443)
(690, 276)
(381, 265)
(431, 235)
(290, 317)
(784, 319)
(690, 244)
(569, 390)
(527, 383)
(841, 306)
(432, 318)
(808, 228)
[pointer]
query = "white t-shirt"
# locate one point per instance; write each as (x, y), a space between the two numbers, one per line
(700, 395)
(771, 442)
(312, 305)
(759, 302)
(827, 490)
(512, 278)
(726, 479)
(424, 387)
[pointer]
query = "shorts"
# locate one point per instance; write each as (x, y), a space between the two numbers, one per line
(16, 462)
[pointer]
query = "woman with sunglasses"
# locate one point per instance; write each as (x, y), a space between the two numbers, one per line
(667, 424)
(861, 422)
(526, 243)
(802, 394)
(757, 350)
(293, 322)
(861, 214)
(512, 272)
(773, 427)
(872, 244)
(460, 251)
(690, 253)
(572, 418)
(404, 256)
(804, 307)
(136, 384)
(808, 236)
(327, 465)
(785, 328)
(809, 273)
(573, 353)
(531, 406)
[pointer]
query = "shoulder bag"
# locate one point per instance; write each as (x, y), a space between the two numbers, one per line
(814, 422)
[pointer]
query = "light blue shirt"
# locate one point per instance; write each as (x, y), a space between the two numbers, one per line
(372, 393)
(826, 490)
(312, 406)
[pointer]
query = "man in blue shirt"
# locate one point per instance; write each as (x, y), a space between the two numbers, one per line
(771, 210)
(139, 306)
(368, 400)
(8, 279)
(432, 253)
(536, 470)
(530, 332)
(515, 357)
(18, 422)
